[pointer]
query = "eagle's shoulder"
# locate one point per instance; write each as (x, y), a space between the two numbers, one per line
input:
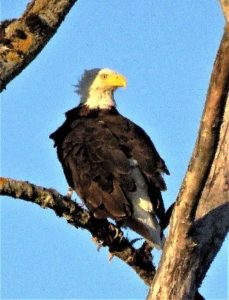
(71, 118)
(137, 143)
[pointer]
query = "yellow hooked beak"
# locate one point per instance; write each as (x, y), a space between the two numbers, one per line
(115, 80)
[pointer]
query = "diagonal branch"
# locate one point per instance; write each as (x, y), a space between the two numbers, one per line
(140, 260)
(22, 39)
(209, 133)
(199, 223)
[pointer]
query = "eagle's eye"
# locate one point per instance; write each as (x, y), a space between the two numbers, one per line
(104, 76)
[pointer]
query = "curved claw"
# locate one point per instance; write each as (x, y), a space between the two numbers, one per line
(118, 233)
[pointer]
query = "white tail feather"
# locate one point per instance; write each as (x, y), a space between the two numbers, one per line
(144, 220)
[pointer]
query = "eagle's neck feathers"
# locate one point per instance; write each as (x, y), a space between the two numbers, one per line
(98, 99)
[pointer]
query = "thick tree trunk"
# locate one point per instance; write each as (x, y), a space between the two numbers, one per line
(200, 223)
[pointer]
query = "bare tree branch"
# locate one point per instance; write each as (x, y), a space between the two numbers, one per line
(22, 39)
(140, 260)
(211, 222)
(199, 223)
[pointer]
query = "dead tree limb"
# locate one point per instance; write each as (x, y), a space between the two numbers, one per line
(199, 223)
(140, 260)
(22, 39)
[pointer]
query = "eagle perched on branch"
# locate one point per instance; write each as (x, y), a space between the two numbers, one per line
(109, 161)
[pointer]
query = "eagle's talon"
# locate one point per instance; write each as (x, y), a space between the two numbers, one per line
(118, 233)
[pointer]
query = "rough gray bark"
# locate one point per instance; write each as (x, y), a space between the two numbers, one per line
(22, 39)
(199, 223)
(211, 220)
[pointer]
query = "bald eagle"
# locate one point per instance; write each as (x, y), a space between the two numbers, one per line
(110, 161)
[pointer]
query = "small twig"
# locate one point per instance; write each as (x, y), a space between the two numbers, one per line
(110, 235)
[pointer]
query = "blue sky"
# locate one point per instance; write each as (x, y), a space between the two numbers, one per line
(166, 49)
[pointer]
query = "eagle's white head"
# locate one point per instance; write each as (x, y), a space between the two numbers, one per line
(96, 88)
